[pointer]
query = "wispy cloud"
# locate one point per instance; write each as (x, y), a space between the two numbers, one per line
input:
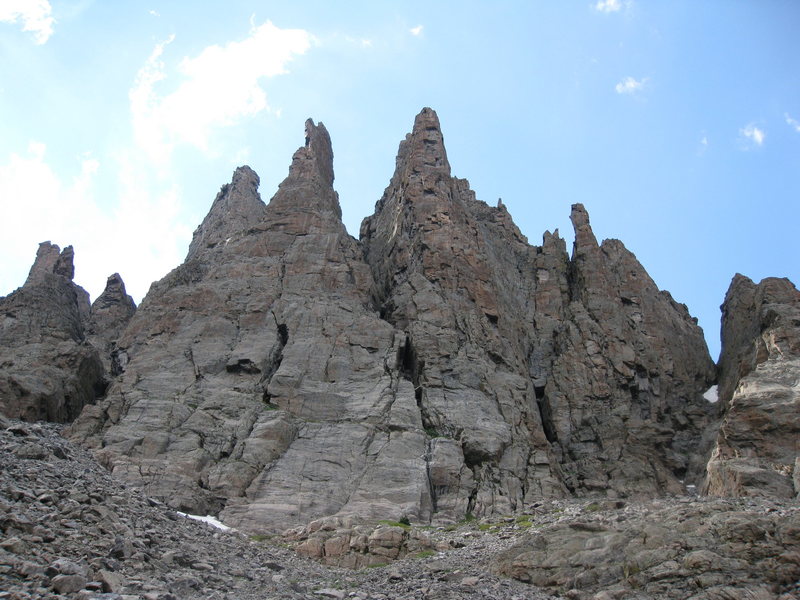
(608, 6)
(702, 145)
(35, 15)
(793, 123)
(630, 85)
(416, 30)
(753, 134)
(218, 87)
(142, 237)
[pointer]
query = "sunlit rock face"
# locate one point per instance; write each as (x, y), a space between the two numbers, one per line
(437, 367)
(758, 444)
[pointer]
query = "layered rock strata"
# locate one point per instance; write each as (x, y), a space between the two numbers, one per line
(443, 366)
(48, 370)
(757, 450)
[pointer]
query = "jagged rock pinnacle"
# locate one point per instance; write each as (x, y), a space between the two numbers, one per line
(584, 236)
(236, 209)
(309, 184)
(315, 159)
(47, 371)
(51, 259)
(423, 148)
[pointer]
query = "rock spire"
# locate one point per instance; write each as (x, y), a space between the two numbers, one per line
(48, 371)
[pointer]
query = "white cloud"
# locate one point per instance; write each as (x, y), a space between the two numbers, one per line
(155, 13)
(416, 30)
(608, 6)
(218, 87)
(793, 123)
(753, 134)
(629, 85)
(141, 238)
(703, 145)
(35, 15)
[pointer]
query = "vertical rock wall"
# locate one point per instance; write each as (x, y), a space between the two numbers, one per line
(758, 443)
(439, 367)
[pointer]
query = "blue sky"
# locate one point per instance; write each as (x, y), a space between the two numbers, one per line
(677, 124)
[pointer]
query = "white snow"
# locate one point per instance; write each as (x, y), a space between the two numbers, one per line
(711, 394)
(213, 521)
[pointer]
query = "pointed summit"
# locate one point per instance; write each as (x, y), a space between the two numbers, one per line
(51, 259)
(315, 159)
(236, 209)
(309, 185)
(423, 148)
(584, 236)
(110, 314)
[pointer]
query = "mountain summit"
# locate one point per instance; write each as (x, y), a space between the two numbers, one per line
(440, 366)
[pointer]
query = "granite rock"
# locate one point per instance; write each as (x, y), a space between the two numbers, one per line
(708, 549)
(48, 369)
(758, 442)
(257, 377)
(109, 315)
(555, 375)
(440, 367)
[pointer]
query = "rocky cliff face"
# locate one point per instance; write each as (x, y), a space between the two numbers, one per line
(554, 374)
(441, 366)
(257, 376)
(758, 445)
(48, 371)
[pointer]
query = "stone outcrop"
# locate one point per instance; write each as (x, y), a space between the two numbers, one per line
(110, 314)
(757, 450)
(693, 549)
(48, 370)
(555, 375)
(348, 542)
(257, 376)
(441, 367)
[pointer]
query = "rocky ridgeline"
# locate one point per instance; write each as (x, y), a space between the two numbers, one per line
(442, 366)
(288, 376)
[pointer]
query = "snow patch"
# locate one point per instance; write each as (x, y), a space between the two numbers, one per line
(711, 394)
(213, 521)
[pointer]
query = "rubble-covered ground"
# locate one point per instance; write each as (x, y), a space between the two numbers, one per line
(71, 531)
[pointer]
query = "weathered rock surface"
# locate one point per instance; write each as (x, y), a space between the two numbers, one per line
(257, 376)
(110, 314)
(68, 526)
(70, 530)
(285, 372)
(48, 370)
(712, 549)
(555, 375)
(346, 542)
(757, 450)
